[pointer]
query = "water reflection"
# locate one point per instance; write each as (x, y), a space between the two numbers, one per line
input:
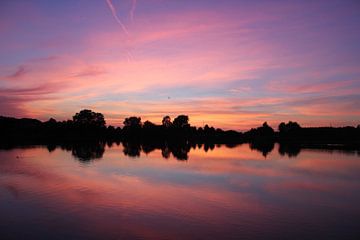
(84, 152)
(221, 192)
(87, 151)
(291, 150)
(264, 147)
(95, 150)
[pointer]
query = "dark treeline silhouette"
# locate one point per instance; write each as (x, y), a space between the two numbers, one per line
(85, 125)
(88, 125)
(91, 125)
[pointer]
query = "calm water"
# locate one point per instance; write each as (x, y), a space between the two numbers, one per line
(224, 193)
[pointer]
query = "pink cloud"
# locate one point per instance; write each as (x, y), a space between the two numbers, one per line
(91, 71)
(19, 73)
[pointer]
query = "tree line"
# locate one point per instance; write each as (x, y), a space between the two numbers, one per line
(88, 124)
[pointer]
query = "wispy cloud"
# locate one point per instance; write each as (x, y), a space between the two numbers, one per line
(113, 12)
(38, 91)
(132, 10)
(45, 59)
(20, 72)
(14, 101)
(90, 72)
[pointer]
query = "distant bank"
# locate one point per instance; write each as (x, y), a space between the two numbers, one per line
(87, 125)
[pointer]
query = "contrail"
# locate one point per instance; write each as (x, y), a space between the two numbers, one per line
(129, 55)
(113, 11)
(132, 11)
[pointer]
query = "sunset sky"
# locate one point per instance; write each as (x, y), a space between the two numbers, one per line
(230, 64)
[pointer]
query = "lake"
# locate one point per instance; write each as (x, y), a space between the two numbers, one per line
(203, 192)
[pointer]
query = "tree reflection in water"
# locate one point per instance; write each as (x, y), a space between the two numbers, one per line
(86, 151)
(264, 147)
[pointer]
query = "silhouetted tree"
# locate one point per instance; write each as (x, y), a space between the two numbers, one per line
(90, 118)
(166, 122)
(282, 127)
(181, 121)
(51, 124)
(261, 134)
(133, 122)
(288, 127)
(51, 121)
(265, 130)
(148, 124)
(209, 130)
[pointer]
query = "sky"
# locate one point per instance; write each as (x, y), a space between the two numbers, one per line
(229, 64)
